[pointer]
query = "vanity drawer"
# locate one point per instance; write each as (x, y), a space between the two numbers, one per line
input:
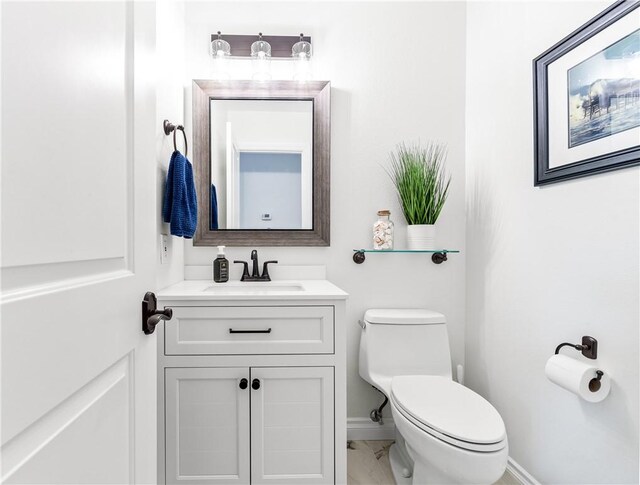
(250, 330)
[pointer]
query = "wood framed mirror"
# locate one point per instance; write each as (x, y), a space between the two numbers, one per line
(262, 162)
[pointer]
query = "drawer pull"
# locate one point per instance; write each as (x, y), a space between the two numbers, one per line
(255, 384)
(266, 330)
(244, 383)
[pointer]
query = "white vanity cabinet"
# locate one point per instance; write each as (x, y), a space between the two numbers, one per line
(207, 432)
(252, 388)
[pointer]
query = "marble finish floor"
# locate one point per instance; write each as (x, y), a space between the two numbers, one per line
(368, 464)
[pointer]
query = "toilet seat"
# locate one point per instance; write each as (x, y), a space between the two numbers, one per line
(449, 412)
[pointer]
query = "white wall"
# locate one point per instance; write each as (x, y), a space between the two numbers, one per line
(397, 74)
(169, 105)
(545, 265)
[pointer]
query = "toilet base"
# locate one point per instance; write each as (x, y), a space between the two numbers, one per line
(418, 473)
(398, 467)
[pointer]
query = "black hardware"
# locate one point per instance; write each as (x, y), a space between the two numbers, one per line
(595, 383)
(376, 414)
(171, 128)
(151, 316)
(358, 257)
(439, 258)
(255, 274)
(255, 384)
(245, 271)
(266, 330)
(243, 383)
(589, 347)
(254, 259)
(265, 271)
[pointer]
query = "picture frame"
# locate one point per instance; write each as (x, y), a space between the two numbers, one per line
(586, 92)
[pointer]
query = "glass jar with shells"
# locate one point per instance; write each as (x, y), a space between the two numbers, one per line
(383, 232)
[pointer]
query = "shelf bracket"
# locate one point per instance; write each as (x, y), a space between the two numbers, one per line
(437, 258)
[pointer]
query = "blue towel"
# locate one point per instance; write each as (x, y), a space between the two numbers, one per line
(214, 208)
(180, 206)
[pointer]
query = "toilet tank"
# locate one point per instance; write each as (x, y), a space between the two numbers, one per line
(403, 342)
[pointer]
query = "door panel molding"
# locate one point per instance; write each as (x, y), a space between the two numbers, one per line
(36, 280)
(20, 450)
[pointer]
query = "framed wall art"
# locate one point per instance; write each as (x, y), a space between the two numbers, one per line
(587, 98)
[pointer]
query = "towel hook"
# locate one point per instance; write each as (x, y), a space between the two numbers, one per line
(170, 127)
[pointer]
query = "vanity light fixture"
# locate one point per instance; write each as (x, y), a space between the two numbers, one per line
(261, 59)
(261, 51)
(301, 53)
(220, 51)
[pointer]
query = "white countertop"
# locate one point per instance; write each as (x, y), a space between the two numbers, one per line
(190, 290)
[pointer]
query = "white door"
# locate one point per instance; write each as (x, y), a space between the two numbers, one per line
(207, 425)
(292, 425)
(78, 245)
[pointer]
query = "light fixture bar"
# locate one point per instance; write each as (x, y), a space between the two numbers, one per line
(280, 44)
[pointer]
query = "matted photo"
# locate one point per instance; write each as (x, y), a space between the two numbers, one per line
(587, 98)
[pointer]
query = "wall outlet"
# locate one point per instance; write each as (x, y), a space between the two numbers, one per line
(164, 249)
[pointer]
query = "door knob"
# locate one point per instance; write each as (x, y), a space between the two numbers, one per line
(151, 316)
(244, 383)
(255, 384)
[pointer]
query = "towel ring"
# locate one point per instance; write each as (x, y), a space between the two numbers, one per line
(170, 127)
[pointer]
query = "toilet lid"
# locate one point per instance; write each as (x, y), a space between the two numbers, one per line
(448, 408)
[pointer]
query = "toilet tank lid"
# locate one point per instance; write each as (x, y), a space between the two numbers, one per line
(403, 316)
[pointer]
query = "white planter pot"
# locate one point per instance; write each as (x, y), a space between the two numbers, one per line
(421, 236)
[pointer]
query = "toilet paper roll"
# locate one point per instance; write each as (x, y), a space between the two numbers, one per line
(575, 376)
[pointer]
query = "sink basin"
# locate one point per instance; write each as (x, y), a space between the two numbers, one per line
(253, 288)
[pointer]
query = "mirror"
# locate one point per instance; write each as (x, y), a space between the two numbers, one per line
(261, 164)
(261, 158)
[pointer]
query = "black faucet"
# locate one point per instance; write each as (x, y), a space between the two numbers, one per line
(254, 258)
(255, 274)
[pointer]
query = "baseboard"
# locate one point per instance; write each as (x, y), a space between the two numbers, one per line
(365, 429)
(520, 473)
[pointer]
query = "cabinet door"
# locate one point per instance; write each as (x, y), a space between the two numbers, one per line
(206, 426)
(292, 425)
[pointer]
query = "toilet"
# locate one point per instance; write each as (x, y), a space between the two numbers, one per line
(445, 432)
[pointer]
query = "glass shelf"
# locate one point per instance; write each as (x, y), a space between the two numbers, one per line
(438, 256)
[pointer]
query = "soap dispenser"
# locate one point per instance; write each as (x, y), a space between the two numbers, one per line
(220, 267)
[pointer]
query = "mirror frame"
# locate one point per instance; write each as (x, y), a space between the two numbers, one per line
(317, 91)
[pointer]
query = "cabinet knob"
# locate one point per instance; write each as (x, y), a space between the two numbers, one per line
(243, 383)
(255, 384)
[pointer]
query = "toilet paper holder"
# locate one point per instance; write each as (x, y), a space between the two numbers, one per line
(596, 382)
(589, 347)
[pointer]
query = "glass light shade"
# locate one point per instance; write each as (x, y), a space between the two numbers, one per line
(301, 50)
(220, 48)
(261, 59)
(260, 49)
(220, 52)
(301, 53)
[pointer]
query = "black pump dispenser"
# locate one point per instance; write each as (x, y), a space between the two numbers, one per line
(220, 267)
